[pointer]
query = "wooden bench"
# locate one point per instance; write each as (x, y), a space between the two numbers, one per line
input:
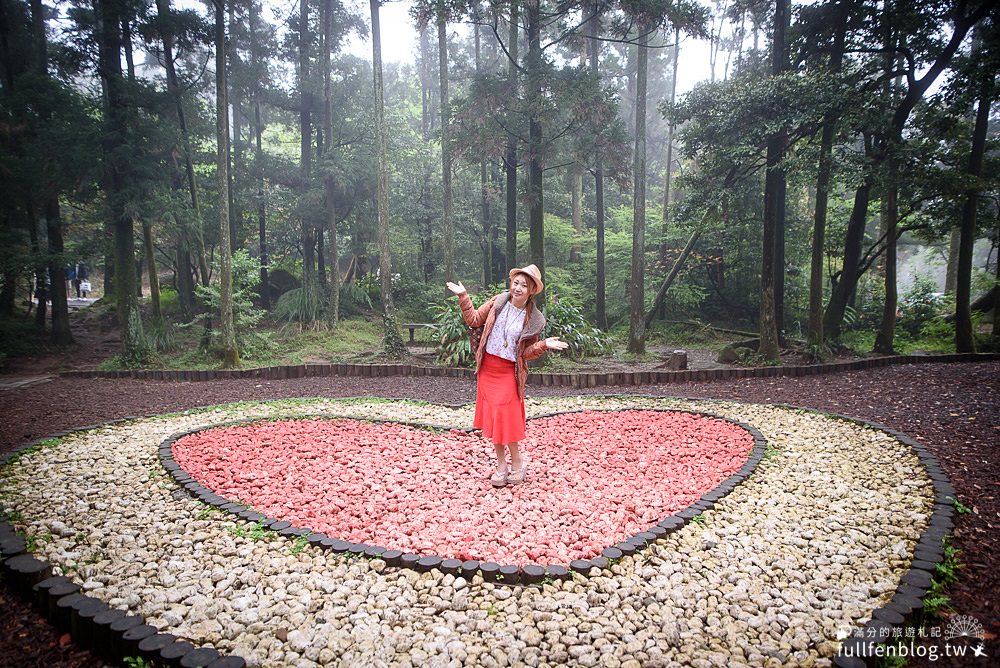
(413, 326)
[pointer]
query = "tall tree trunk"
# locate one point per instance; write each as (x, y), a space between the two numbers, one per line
(115, 144)
(600, 312)
(772, 260)
(110, 286)
(637, 287)
(951, 272)
(496, 264)
(448, 223)
(631, 67)
(484, 202)
(61, 334)
(425, 226)
(425, 48)
(781, 217)
(305, 156)
(127, 44)
(236, 102)
(154, 280)
(889, 210)
(823, 181)
(843, 288)
(995, 336)
(536, 208)
(265, 290)
(132, 120)
(41, 295)
(8, 291)
(576, 188)
(965, 341)
(227, 329)
(40, 43)
(510, 155)
(669, 167)
(333, 284)
(392, 341)
(668, 172)
(668, 281)
(320, 244)
(139, 260)
(887, 327)
(175, 92)
(186, 274)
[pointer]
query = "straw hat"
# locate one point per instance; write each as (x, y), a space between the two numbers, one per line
(531, 271)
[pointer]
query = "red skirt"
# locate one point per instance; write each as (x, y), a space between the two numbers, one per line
(499, 409)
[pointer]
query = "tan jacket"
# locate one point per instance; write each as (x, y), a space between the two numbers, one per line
(528, 345)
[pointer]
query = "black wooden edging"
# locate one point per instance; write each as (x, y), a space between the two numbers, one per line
(491, 572)
(111, 633)
(574, 380)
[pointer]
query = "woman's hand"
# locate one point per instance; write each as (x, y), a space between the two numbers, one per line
(553, 343)
(456, 288)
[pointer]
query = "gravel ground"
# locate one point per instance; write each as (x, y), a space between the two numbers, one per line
(671, 600)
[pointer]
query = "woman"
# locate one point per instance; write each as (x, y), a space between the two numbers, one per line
(511, 326)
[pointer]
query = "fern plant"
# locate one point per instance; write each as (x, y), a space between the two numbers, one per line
(453, 341)
(298, 305)
(246, 316)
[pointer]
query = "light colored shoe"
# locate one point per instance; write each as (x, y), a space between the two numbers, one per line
(499, 478)
(518, 477)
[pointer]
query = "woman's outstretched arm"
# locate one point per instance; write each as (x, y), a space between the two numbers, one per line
(473, 317)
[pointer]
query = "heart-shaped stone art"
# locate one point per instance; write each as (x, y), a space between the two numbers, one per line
(594, 478)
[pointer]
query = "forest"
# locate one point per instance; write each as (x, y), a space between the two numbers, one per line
(223, 176)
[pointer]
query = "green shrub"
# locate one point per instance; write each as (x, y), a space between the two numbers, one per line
(169, 301)
(246, 316)
(355, 298)
(161, 336)
(566, 320)
(414, 300)
(454, 348)
(869, 301)
(297, 305)
(921, 304)
(18, 337)
(749, 358)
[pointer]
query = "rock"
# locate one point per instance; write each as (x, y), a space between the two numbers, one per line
(677, 360)
(531, 637)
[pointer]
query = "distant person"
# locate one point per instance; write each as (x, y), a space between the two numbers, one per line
(81, 283)
(511, 327)
(71, 277)
(43, 289)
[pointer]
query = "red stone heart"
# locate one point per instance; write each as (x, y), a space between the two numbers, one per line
(593, 479)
